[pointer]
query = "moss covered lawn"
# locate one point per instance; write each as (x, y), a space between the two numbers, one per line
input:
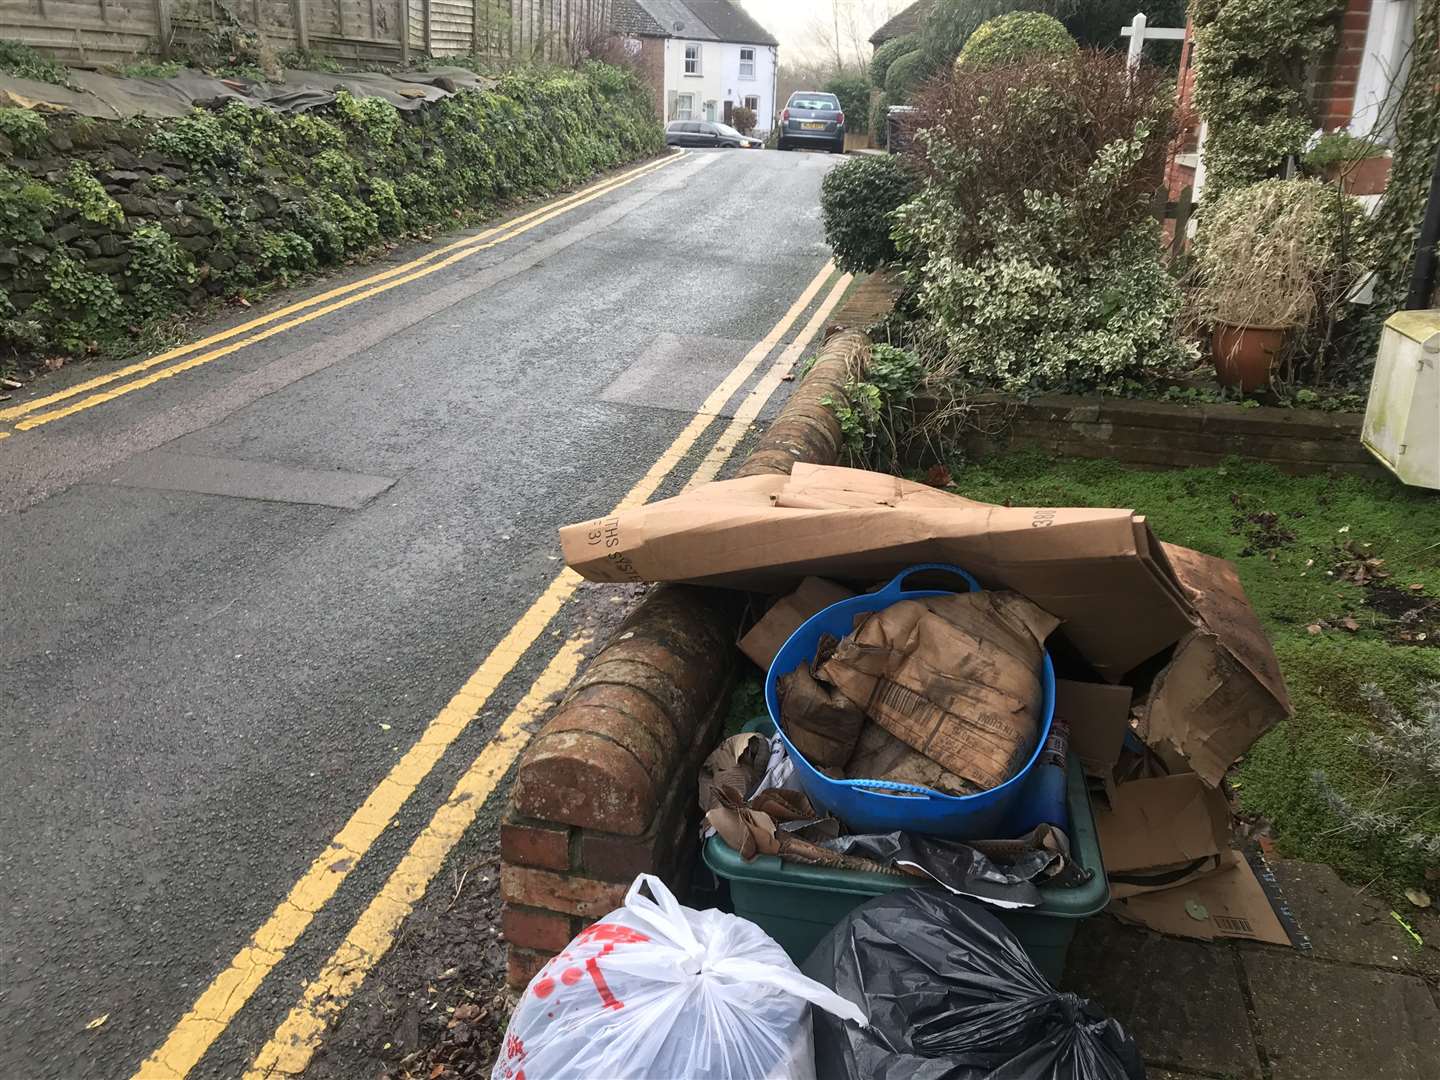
(1299, 543)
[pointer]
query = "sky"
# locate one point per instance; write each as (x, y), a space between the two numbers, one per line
(793, 22)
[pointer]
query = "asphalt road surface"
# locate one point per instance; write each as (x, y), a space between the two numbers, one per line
(236, 595)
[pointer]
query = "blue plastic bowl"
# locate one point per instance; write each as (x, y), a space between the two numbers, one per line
(984, 815)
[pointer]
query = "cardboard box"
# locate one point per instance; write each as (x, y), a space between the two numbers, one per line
(1124, 598)
(1100, 571)
(1229, 902)
(764, 639)
(1098, 716)
(1222, 689)
(1159, 833)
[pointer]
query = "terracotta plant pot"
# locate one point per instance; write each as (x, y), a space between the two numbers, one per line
(1245, 355)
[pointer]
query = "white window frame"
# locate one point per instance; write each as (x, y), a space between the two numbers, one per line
(753, 108)
(684, 106)
(694, 65)
(749, 75)
(1383, 69)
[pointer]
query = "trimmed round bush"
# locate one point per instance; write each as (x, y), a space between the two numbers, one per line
(888, 53)
(906, 74)
(1010, 38)
(858, 200)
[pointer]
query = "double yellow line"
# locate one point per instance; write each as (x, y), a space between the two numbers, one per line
(289, 1050)
(33, 414)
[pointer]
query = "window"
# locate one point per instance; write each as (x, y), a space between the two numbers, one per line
(692, 58)
(747, 63)
(752, 103)
(685, 107)
(820, 102)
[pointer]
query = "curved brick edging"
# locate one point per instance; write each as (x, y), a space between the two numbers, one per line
(607, 789)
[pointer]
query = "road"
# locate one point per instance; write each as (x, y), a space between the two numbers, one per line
(240, 597)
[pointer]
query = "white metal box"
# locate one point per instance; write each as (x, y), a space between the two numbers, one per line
(1402, 415)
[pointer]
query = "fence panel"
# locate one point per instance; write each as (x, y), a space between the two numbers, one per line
(366, 31)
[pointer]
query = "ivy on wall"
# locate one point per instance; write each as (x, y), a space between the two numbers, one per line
(1252, 64)
(1415, 147)
(108, 227)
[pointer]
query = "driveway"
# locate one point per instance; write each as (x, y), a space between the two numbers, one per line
(267, 601)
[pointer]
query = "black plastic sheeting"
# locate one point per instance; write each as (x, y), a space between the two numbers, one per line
(958, 867)
(113, 97)
(951, 995)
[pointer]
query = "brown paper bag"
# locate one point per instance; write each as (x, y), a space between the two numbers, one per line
(819, 720)
(955, 677)
(881, 756)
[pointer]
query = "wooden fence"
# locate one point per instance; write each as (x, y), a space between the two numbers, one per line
(357, 31)
(1174, 217)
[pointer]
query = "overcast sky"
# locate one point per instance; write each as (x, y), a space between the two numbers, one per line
(793, 22)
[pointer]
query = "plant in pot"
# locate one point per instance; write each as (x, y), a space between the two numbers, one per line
(1274, 265)
(1359, 166)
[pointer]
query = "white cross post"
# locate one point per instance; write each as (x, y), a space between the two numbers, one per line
(1138, 34)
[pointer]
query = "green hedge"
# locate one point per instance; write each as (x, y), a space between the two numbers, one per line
(888, 53)
(906, 74)
(107, 227)
(857, 201)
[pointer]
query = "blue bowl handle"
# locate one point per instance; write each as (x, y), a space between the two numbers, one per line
(895, 587)
(890, 785)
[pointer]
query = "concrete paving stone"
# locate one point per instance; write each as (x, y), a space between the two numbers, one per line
(165, 470)
(1181, 1000)
(1350, 926)
(677, 372)
(1320, 1021)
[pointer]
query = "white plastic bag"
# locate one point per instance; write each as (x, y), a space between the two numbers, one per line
(655, 990)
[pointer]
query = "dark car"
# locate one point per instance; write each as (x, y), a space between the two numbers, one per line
(813, 119)
(707, 133)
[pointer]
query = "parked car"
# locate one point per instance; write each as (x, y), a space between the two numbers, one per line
(811, 118)
(707, 133)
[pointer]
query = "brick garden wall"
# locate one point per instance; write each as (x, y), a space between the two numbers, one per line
(1163, 435)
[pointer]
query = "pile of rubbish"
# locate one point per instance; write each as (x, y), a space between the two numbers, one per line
(951, 687)
(917, 984)
(1162, 674)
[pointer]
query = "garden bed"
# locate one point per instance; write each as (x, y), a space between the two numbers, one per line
(1305, 548)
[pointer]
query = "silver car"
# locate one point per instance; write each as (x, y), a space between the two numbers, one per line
(814, 119)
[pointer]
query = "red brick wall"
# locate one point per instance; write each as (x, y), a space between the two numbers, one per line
(651, 63)
(1335, 84)
(1178, 175)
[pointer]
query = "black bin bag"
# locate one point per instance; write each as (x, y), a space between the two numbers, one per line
(951, 995)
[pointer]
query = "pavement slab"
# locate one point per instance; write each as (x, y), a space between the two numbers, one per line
(1181, 1000)
(1323, 1021)
(1347, 925)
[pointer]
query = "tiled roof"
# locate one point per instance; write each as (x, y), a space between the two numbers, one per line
(628, 17)
(731, 22)
(697, 20)
(906, 22)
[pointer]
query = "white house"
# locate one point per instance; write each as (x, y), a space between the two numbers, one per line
(702, 58)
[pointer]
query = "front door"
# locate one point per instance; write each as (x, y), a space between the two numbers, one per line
(710, 111)
(729, 112)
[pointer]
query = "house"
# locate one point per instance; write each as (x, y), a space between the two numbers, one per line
(1354, 89)
(903, 22)
(701, 58)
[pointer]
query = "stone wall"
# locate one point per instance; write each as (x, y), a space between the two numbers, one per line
(107, 227)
